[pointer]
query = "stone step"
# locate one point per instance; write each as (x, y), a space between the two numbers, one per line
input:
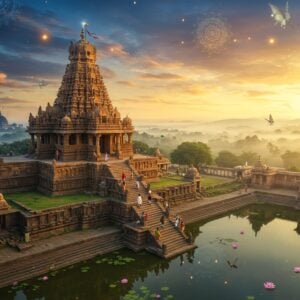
(61, 254)
(75, 253)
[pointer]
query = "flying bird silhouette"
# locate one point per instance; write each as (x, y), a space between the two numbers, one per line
(233, 264)
(270, 120)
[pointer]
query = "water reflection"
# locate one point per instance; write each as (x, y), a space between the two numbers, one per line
(206, 271)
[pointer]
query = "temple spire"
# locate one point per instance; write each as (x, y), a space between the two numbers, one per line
(82, 34)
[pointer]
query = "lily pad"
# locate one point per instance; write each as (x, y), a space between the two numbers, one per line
(165, 288)
(113, 285)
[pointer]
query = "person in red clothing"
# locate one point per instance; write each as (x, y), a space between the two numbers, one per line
(123, 176)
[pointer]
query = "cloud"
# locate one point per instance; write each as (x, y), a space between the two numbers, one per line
(12, 101)
(254, 93)
(17, 67)
(160, 76)
(126, 83)
(108, 73)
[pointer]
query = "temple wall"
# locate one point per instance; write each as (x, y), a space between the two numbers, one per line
(280, 179)
(92, 214)
(225, 172)
(64, 219)
(147, 167)
(18, 176)
(178, 193)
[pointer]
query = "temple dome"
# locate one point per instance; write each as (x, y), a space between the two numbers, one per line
(66, 120)
(3, 122)
(127, 121)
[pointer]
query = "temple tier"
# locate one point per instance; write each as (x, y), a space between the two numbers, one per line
(82, 124)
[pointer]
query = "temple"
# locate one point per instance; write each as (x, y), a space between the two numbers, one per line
(82, 124)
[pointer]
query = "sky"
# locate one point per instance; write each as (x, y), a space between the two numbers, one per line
(162, 60)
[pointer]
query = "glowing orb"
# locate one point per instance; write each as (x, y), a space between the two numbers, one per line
(182, 20)
(45, 37)
(272, 41)
(182, 42)
(213, 34)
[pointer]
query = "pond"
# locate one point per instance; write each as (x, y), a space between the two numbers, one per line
(236, 254)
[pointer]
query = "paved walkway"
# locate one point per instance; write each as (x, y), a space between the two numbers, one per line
(9, 254)
(206, 201)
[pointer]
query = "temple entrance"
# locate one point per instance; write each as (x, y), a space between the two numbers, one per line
(105, 144)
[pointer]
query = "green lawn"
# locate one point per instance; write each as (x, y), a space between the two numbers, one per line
(38, 201)
(225, 189)
(208, 181)
(166, 182)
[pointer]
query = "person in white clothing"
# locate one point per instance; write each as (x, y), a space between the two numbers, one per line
(139, 200)
(137, 184)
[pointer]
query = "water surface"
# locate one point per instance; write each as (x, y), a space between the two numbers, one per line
(268, 249)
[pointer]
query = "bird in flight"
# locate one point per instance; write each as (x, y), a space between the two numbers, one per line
(270, 120)
(233, 264)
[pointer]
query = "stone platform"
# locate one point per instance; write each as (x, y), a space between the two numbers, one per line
(57, 252)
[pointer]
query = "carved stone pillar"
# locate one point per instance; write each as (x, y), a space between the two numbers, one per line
(130, 138)
(32, 150)
(38, 144)
(66, 139)
(98, 136)
(90, 140)
(119, 151)
(110, 144)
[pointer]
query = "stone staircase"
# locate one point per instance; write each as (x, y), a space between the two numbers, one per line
(172, 242)
(30, 264)
(218, 208)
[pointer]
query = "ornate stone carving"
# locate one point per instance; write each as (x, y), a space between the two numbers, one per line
(3, 203)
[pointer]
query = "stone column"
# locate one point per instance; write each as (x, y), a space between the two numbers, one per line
(90, 140)
(66, 139)
(110, 144)
(38, 144)
(130, 138)
(98, 136)
(32, 143)
(119, 151)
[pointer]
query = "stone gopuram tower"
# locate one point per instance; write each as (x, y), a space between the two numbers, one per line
(82, 124)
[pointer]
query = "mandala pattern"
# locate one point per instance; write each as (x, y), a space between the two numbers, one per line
(8, 10)
(213, 34)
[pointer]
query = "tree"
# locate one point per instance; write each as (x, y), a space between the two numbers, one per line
(227, 159)
(15, 148)
(250, 157)
(140, 147)
(189, 153)
(291, 159)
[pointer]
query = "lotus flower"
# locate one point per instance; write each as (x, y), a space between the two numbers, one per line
(124, 281)
(45, 278)
(269, 285)
(297, 269)
(157, 296)
(235, 246)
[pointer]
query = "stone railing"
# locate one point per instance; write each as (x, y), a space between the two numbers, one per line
(178, 193)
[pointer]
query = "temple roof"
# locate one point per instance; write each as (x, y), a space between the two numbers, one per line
(82, 102)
